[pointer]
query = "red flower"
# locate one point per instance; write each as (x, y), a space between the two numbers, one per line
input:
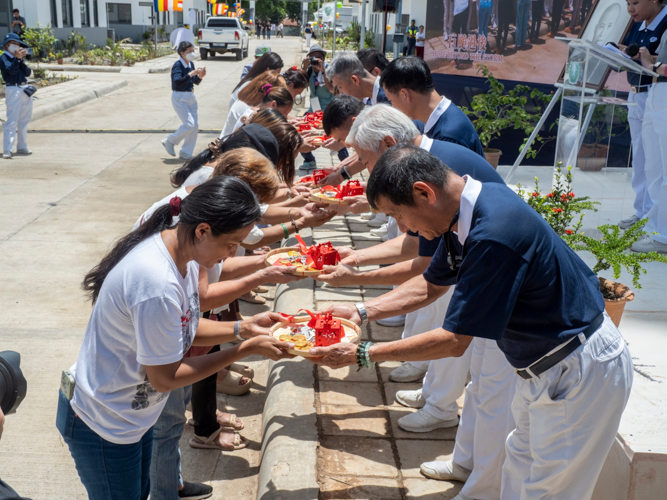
(535, 194)
(557, 210)
(568, 231)
(550, 195)
(571, 195)
(564, 197)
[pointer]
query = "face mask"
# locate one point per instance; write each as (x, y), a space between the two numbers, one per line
(190, 56)
(13, 48)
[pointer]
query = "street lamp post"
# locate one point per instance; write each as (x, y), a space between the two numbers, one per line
(362, 34)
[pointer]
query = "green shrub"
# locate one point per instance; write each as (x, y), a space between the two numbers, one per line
(369, 39)
(40, 39)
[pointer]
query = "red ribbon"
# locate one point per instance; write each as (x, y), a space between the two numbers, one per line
(175, 206)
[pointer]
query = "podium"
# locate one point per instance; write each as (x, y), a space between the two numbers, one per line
(591, 114)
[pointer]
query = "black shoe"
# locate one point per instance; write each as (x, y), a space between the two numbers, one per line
(195, 491)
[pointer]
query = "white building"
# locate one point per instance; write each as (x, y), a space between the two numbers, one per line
(98, 19)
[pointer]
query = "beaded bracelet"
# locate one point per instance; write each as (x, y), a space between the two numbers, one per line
(363, 355)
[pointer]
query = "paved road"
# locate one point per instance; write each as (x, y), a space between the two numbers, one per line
(65, 205)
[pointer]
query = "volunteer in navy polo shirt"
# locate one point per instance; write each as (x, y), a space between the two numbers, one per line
(408, 85)
(650, 24)
(518, 283)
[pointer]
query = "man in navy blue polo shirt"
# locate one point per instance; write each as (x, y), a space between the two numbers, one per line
(348, 74)
(408, 84)
(518, 283)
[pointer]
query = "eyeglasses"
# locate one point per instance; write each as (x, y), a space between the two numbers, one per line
(453, 259)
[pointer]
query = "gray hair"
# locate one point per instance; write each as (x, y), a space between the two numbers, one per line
(344, 65)
(377, 122)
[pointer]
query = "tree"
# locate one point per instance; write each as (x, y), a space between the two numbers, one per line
(294, 10)
(271, 10)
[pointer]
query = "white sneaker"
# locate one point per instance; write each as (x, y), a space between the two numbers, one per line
(185, 156)
(385, 237)
(445, 471)
(169, 147)
(24, 152)
(378, 221)
(648, 244)
(423, 421)
(630, 221)
(393, 321)
(407, 372)
(7, 155)
(380, 231)
(367, 216)
(411, 399)
(308, 165)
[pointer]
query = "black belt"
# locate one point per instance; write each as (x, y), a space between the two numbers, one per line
(639, 90)
(542, 365)
(14, 84)
(660, 79)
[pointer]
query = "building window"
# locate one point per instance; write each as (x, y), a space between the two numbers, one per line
(54, 14)
(85, 14)
(119, 13)
(67, 13)
(5, 9)
(96, 18)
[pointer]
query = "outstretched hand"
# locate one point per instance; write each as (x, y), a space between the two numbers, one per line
(335, 356)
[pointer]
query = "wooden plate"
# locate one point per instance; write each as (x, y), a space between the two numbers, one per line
(352, 333)
(279, 253)
(316, 197)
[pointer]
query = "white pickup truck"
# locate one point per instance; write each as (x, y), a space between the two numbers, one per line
(221, 35)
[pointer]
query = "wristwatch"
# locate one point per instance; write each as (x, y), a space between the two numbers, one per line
(362, 312)
(346, 175)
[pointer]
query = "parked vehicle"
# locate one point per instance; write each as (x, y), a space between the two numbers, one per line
(222, 35)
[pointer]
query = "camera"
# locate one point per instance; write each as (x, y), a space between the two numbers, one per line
(13, 385)
(313, 61)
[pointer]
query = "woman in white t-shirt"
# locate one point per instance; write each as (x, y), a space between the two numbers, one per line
(145, 318)
(265, 91)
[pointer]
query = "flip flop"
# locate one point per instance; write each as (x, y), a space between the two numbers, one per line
(260, 289)
(234, 422)
(244, 370)
(230, 385)
(207, 443)
(253, 298)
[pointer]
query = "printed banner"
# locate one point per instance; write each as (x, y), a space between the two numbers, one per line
(168, 5)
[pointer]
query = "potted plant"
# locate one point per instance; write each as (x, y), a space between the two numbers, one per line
(594, 150)
(560, 207)
(59, 57)
(495, 110)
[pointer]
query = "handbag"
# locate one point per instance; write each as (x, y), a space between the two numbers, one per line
(29, 90)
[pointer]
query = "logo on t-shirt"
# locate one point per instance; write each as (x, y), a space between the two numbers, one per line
(187, 324)
(146, 395)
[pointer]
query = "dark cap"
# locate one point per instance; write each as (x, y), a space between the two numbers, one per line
(13, 37)
(263, 140)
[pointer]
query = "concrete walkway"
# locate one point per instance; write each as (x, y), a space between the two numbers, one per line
(65, 205)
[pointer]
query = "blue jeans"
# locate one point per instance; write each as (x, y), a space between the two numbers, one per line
(165, 470)
(522, 13)
(484, 19)
(109, 471)
(308, 156)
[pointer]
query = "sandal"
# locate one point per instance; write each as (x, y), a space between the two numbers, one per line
(260, 289)
(233, 423)
(208, 443)
(231, 385)
(252, 298)
(244, 370)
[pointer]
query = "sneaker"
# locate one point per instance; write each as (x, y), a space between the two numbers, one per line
(169, 147)
(445, 471)
(24, 152)
(648, 244)
(384, 237)
(367, 216)
(393, 321)
(423, 421)
(308, 165)
(630, 221)
(380, 231)
(378, 220)
(185, 156)
(7, 155)
(411, 399)
(195, 491)
(407, 372)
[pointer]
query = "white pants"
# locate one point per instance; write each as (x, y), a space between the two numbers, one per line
(642, 203)
(445, 378)
(308, 37)
(566, 421)
(19, 113)
(486, 420)
(185, 105)
(654, 134)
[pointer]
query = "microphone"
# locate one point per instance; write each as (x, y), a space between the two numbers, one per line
(632, 50)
